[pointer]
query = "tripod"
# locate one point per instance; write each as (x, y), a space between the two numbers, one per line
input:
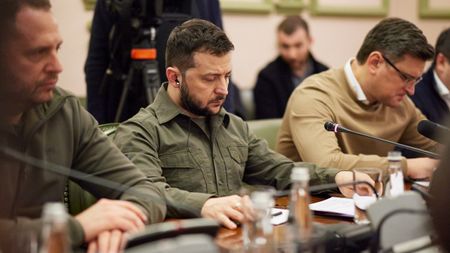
(145, 66)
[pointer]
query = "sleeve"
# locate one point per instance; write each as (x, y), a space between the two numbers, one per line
(267, 167)
(411, 136)
(263, 95)
(97, 61)
(96, 155)
(308, 111)
(140, 144)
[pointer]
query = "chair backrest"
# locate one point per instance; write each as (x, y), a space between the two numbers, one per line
(409, 221)
(266, 129)
(75, 198)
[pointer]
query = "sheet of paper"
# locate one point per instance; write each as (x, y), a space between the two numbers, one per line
(343, 207)
(423, 183)
(279, 216)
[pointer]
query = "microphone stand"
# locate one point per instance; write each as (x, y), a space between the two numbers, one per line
(337, 128)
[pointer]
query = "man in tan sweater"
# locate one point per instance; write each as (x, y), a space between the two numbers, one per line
(367, 95)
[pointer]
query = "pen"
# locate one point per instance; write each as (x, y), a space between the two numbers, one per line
(276, 213)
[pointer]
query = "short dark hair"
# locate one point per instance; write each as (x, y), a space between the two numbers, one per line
(193, 36)
(9, 10)
(395, 38)
(443, 43)
(291, 23)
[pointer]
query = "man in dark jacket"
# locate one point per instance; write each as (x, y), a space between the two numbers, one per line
(279, 78)
(46, 123)
(432, 94)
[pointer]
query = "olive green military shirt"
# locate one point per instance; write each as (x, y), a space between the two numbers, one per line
(192, 160)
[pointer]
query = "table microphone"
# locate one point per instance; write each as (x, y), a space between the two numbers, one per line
(334, 127)
(432, 130)
(314, 189)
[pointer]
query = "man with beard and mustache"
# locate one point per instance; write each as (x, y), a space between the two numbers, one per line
(187, 144)
(278, 79)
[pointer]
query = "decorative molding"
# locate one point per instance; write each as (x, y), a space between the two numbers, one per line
(289, 6)
(251, 7)
(428, 12)
(89, 4)
(353, 10)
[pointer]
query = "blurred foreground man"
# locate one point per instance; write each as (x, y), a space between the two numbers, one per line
(45, 122)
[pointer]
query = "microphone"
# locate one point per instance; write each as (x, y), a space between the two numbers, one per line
(324, 187)
(334, 127)
(432, 130)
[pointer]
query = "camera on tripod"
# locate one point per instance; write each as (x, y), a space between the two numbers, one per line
(138, 21)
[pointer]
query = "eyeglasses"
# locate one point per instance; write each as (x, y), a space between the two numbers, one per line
(407, 78)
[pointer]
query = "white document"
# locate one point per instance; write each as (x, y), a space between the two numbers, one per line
(334, 206)
(279, 216)
(423, 183)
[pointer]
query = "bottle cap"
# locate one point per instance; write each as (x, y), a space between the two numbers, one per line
(54, 211)
(394, 155)
(300, 174)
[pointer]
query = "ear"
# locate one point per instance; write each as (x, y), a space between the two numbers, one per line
(373, 61)
(173, 76)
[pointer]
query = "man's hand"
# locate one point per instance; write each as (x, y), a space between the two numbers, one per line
(346, 176)
(421, 168)
(108, 241)
(225, 210)
(107, 215)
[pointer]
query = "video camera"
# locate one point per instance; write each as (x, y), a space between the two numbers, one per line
(137, 48)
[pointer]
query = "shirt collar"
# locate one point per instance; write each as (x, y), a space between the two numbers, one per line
(440, 86)
(354, 84)
(166, 110)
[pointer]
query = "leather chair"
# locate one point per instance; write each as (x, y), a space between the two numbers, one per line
(266, 129)
(75, 198)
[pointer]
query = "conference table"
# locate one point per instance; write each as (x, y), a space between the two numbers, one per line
(231, 240)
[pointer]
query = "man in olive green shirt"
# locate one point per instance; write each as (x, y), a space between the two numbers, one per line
(194, 150)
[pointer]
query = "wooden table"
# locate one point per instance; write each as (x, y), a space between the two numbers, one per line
(231, 240)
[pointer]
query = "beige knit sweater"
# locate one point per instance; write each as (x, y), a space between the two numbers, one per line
(328, 97)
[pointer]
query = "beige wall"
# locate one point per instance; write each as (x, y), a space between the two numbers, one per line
(336, 39)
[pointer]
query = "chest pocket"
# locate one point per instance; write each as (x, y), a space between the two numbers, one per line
(238, 156)
(182, 171)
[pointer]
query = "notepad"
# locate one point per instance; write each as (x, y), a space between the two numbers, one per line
(334, 206)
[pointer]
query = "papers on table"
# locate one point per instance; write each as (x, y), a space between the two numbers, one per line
(279, 216)
(423, 183)
(334, 206)
(338, 207)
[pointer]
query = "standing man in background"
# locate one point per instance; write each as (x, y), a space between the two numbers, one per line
(432, 94)
(279, 78)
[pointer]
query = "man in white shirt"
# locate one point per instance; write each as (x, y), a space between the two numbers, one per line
(432, 95)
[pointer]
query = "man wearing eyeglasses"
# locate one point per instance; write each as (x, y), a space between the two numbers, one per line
(369, 95)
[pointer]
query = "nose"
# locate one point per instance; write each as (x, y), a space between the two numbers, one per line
(222, 87)
(410, 88)
(54, 65)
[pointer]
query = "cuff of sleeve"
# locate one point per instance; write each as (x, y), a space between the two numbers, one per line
(76, 232)
(404, 167)
(195, 202)
(330, 175)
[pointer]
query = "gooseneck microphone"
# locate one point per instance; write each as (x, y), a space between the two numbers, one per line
(433, 131)
(334, 127)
